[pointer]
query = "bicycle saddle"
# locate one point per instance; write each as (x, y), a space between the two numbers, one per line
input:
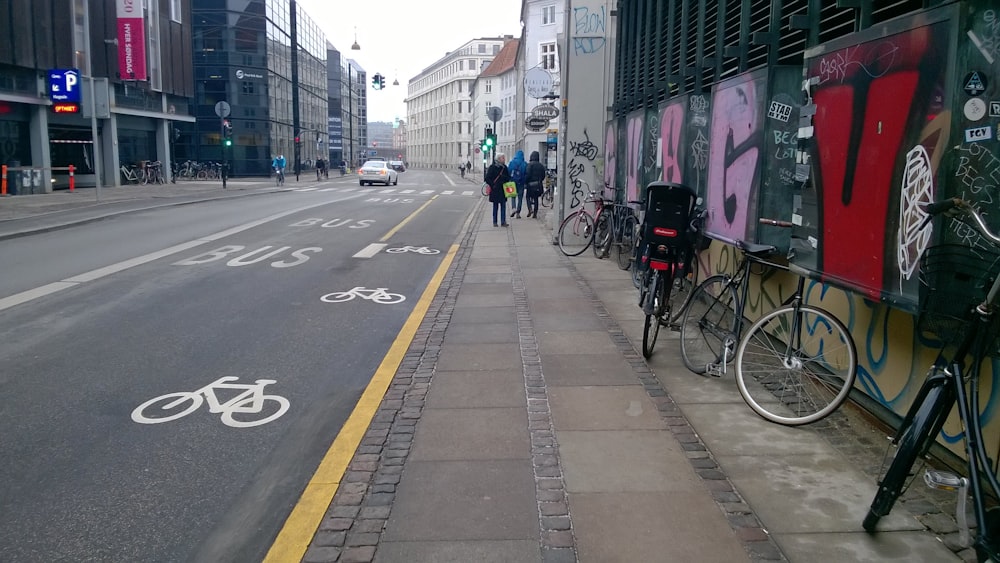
(756, 249)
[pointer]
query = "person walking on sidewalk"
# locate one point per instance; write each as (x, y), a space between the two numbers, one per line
(534, 183)
(518, 168)
(495, 177)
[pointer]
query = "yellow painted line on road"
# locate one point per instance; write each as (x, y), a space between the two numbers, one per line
(395, 229)
(300, 527)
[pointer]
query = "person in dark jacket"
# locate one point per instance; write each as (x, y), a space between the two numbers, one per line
(534, 182)
(496, 176)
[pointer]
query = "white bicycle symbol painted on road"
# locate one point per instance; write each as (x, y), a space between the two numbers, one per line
(416, 249)
(378, 295)
(180, 404)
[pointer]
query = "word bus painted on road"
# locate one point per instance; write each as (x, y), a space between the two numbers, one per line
(331, 223)
(299, 256)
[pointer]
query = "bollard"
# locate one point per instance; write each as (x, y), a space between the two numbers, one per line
(72, 180)
(3, 181)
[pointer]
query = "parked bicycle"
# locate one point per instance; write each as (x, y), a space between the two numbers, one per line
(958, 303)
(130, 174)
(794, 365)
(548, 195)
(615, 228)
(666, 249)
(576, 233)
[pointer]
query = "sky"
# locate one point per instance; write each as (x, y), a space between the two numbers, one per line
(400, 38)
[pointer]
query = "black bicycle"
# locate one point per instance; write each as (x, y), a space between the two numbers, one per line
(952, 276)
(665, 254)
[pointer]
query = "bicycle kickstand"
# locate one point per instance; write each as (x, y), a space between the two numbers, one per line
(719, 369)
(945, 481)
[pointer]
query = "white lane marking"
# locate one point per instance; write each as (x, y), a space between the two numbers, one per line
(306, 189)
(467, 193)
(389, 191)
(329, 189)
(426, 192)
(368, 190)
(371, 250)
(447, 177)
(447, 192)
(351, 189)
(25, 296)
(407, 191)
(73, 281)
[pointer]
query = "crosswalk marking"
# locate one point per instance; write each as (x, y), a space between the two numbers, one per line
(394, 191)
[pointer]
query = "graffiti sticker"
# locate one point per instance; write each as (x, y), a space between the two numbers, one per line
(978, 134)
(781, 112)
(975, 109)
(994, 109)
(975, 83)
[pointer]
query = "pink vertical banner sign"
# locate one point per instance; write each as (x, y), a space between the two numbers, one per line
(131, 40)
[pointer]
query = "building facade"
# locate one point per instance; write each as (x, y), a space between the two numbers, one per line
(134, 111)
(439, 106)
(243, 56)
(538, 71)
(500, 78)
(399, 139)
(380, 140)
(348, 109)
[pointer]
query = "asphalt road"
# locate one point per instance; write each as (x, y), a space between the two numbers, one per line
(168, 301)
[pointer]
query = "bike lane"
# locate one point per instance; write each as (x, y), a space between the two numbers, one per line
(87, 481)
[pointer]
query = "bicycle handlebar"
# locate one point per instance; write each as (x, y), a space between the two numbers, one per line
(775, 222)
(966, 208)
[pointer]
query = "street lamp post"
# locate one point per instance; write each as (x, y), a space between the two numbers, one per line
(293, 21)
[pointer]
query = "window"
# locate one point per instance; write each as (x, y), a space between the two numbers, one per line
(175, 11)
(79, 36)
(548, 14)
(547, 56)
(482, 47)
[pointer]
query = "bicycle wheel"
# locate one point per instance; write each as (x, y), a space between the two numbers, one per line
(912, 441)
(796, 365)
(630, 230)
(173, 407)
(576, 233)
(485, 189)
(709, 324)
(651, 325)
(252, 406)
(547, 196)
(680, 296)
(602, 233)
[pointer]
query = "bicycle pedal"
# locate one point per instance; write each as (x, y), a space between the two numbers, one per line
(944, 480)
(715, 370)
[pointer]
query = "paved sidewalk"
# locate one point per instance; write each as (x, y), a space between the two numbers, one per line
(523, 425)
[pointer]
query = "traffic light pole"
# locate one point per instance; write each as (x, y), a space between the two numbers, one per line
(493, 149)
(225, 152)
(293, 21)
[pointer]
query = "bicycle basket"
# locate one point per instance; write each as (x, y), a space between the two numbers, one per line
(669, 210)
(954, 279)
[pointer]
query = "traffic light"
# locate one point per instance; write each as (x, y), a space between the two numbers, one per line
(381, 82)
(482, 146)
(377, 82)
(227, 133)
(490, 142)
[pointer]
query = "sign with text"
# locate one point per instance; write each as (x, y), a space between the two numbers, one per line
(64, 85)
(131, 40)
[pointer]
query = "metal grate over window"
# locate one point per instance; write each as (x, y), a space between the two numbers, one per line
(671, 47)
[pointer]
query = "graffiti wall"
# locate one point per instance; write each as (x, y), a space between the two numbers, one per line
(589, 160)
(879, 129)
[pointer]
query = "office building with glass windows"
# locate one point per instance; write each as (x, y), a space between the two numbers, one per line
(243, 56)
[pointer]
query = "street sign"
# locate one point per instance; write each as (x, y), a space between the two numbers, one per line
(545, 111)
(222, 109)
(494, 113)
(64, 85)
(535, 123)
(537, 82)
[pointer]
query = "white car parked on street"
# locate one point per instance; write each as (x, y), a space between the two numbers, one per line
(377, 171)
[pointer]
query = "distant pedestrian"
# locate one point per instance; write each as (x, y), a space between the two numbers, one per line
(518, 169)
(461, 169)
(496, 176)
(468, 166)
(534, 183)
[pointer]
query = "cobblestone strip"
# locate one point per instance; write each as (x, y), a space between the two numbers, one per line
(558, 542)
(352, 528)
(757, 542)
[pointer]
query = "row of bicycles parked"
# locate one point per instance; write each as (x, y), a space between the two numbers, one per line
(797, 364)
(151, 172)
